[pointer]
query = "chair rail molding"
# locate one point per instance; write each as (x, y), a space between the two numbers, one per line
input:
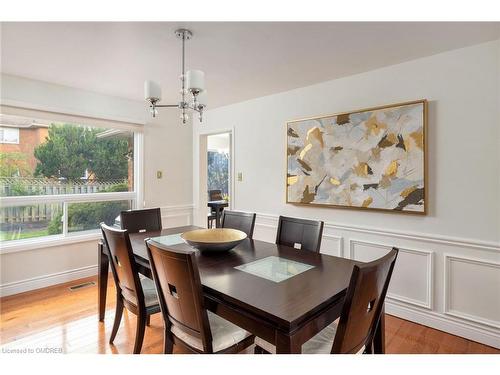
(176, 216)
(444, 240)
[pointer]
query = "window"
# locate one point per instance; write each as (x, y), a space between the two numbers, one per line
(64, 179)
(9, 135)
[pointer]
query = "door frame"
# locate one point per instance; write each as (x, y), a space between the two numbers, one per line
(203, 166)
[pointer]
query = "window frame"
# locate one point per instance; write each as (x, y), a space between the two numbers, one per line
(136, 197)
(3, 141)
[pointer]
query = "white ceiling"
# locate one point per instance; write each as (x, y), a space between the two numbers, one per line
(241, 60)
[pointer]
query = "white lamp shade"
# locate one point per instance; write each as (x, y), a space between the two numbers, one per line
(195, 80)
(152, 91)
(202, 98)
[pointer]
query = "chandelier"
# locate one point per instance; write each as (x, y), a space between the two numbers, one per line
(192, 85)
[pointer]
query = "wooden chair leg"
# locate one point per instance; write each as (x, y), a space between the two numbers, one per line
(168, 345)
(148, 320)
(139, 333)
(118, 319)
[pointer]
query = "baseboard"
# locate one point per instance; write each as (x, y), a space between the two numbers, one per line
(46, 280)
(443, 323)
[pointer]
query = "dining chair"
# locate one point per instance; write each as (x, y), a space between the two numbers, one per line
(360, 314)
(300, 233)
(187, 323)
(135, 221)
(243, 221)
(213, 195)
(135, 293)
(211, 219)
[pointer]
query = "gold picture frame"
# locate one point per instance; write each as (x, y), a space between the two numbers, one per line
(411, 146)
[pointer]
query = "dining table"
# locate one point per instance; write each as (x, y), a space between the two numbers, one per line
(218, 206)
(278, 293)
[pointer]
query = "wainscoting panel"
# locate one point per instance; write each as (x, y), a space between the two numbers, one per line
(472, 290)
(176, 216)
(412, 279)
(435, 282)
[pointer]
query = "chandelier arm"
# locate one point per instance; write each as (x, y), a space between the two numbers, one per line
(166, 105)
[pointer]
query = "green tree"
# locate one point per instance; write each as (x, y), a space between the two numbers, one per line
(66, 152)
(71, 150)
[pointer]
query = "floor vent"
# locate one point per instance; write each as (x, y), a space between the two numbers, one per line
(81, 286)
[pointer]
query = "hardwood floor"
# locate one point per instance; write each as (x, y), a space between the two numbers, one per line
(66, 321)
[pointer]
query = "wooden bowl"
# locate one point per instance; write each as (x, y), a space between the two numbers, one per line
(213, 240)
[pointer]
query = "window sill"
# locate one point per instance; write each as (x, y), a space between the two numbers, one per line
(7, 247)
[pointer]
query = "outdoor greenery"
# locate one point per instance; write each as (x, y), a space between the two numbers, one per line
(70, 151)
(14, 164)
(218, 171)
(88, 215)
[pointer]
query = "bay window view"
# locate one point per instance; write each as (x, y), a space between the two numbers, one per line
(59, 178)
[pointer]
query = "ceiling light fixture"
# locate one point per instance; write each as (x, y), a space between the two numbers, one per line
(193, 82)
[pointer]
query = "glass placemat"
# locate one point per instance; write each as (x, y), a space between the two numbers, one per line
(171, 239)
(274, 268)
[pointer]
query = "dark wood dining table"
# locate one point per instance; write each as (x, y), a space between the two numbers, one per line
(218, 207)
(286, 313)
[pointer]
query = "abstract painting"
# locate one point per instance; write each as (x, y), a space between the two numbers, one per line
(369, 159)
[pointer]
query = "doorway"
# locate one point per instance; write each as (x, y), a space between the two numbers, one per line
(215, 170)
(218, 164)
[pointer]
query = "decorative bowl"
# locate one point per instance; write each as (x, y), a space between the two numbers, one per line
(214, 240)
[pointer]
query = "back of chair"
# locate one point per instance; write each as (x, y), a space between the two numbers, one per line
(243, 221)
(299, 233)
(178, 284)
(141, 220)
(123, 264)
(363, 304)
(215, 195)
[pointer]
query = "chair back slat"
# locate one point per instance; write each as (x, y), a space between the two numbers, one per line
(178, 284)
(239, 220)
(135, 221)
(363, 304)
(300, 233)
(123, 264)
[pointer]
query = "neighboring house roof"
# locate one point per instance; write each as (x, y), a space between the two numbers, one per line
(10, 121)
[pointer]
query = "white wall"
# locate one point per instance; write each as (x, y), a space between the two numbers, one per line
(168, 147)
(457, 243)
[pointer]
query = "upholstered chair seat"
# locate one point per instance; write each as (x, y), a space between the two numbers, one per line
(224, 334)
(149, 289)
(319, 344)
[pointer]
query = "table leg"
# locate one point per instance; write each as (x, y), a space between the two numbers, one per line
(102, 280)
(217, 217)
(286, 344)
(379, 338)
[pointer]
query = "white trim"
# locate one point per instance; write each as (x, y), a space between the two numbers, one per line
(448, 258)
(69, 198)
(21, 108)
(139, 162)
(443, 240)
(444, 323)
(47, 241)
(46, 280)
(428, 303)
(232, 173)
(340, 239)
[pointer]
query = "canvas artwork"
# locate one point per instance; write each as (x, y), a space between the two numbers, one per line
(371, 159)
